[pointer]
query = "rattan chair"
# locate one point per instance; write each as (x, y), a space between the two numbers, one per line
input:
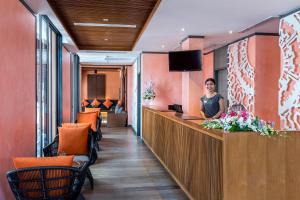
(52, 150)
(47, 183)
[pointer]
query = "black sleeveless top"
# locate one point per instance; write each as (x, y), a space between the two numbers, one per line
(211, 105)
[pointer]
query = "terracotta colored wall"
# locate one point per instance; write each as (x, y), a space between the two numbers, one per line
(17, 87)
(263, 55)
(113, 83)
(192, 90)
(130, 77)
(66, 85)
(267, 72)
(207, 69)
(167, 84)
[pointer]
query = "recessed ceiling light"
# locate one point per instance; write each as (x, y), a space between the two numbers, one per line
(105, 39)
(182, 29)
(163, 46)
(105, 19)
(230, 32)
(107, 25)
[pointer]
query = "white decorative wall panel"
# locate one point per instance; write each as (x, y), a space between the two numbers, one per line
(240, 76)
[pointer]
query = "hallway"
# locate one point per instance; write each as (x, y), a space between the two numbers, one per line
(126, 169)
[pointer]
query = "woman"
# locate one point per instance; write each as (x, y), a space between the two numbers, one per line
(212, 103)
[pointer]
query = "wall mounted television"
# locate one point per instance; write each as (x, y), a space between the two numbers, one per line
(185, 60)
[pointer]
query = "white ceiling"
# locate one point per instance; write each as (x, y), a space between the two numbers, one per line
(210, 18)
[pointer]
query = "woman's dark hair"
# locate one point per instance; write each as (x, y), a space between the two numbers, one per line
(210, 79)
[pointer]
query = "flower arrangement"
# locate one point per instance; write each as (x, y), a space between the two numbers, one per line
(241, 121)
(149, 93)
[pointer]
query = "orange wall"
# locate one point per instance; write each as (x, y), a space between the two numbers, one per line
(267, 72)
(17, 87)
(113, 83)
(155, 67)
(66, 85)
(192, 88)
(207, 69)
(263, 54)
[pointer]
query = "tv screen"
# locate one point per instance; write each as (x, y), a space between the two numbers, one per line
(185, 60)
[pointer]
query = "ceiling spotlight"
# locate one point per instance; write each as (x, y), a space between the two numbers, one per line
(163, 46)
(105, 19)
(182, 29)
(230, 32)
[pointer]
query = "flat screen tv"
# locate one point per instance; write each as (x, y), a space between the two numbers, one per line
(185, 60)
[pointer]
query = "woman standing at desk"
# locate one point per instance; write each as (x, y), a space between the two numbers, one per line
(212, 103)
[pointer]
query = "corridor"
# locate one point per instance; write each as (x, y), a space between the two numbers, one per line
(126, 169)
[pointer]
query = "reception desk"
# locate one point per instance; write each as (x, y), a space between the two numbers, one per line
(213, 165)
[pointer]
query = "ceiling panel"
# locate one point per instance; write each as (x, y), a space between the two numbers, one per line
(133, 12)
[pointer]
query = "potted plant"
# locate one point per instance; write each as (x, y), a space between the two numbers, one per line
(149, 93)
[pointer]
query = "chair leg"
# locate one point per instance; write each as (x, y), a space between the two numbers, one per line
(90, 177)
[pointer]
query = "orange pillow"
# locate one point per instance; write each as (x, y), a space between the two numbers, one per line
(98, 110)
(73, 141)
(85, 103)
(72, 125)
(25, 162)
(107, 104)
(88, 117)
(95, 103)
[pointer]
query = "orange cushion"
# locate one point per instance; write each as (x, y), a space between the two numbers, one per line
(25, 162)
(72, 125)
(98, 110)
(95, 103)
(88, 117)
(85, 103)
(107, 104)
(73, 141)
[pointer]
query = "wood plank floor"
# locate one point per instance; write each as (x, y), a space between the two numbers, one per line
(126, 169)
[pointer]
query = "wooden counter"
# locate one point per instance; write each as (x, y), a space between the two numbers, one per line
(213, 165)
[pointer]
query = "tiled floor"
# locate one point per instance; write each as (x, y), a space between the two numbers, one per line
(126, 169)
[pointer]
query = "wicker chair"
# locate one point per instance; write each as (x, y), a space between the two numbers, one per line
(47, 183)
(52, 150)
(97, 136)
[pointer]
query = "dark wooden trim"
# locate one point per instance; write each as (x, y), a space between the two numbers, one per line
(289, 13)
(28, 8)
(248, 36)
(146, 23)
(192, 36)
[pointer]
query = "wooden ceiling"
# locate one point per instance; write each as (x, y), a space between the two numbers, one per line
(133, 12)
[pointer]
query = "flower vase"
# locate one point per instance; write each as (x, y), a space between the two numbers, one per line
(149, 102)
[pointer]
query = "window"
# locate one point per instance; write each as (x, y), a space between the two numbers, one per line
(49, 87)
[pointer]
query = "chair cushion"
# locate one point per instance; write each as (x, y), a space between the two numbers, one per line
(25, 162)
(96, 103)
(81, 159)
(107, 103)
(72, 125)
(90, 117)
(85, 103)
(98, 110)
(73, 140)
